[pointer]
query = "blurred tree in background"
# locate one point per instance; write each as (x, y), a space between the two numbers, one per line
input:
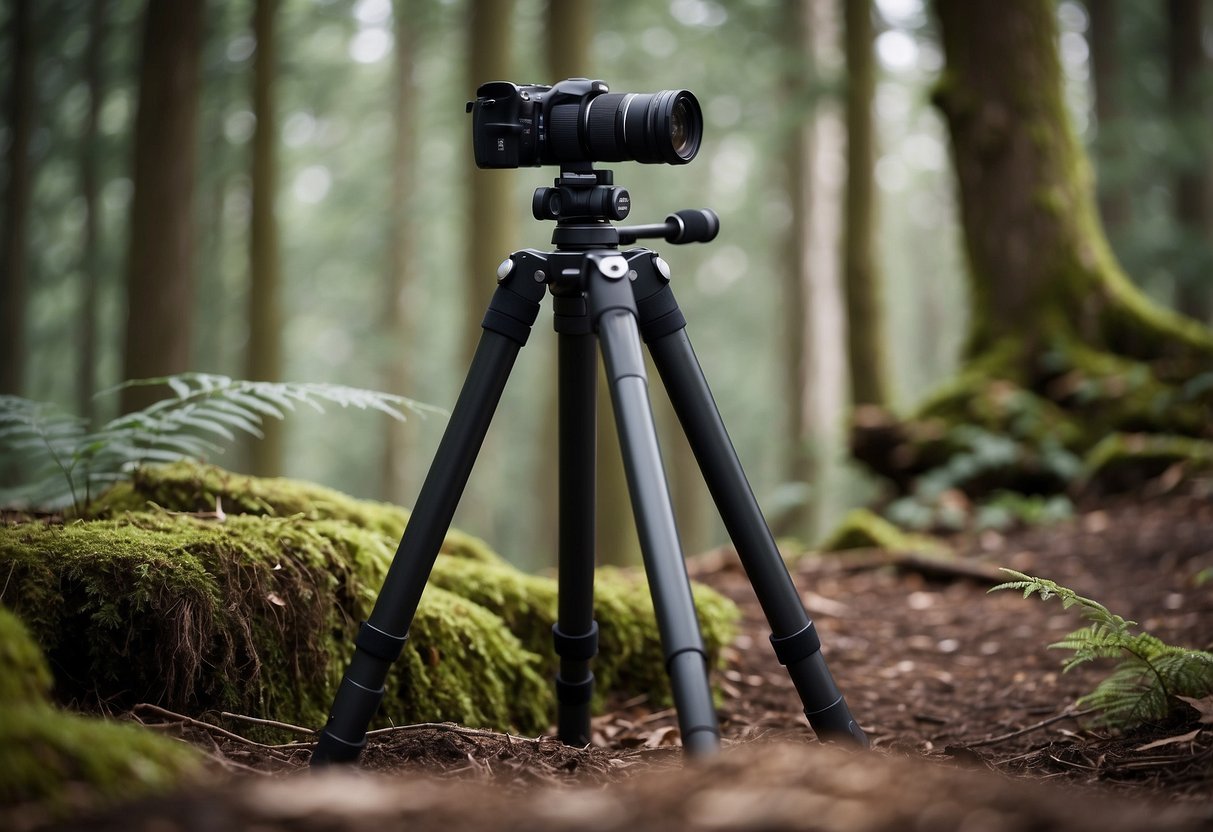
(388, 239)
(160, 256)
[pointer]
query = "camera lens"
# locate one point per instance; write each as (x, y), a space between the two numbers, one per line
(655, 127)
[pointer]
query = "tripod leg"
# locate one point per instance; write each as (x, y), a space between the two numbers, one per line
(381, 637)
(575, 632)
(792, 632)
(614, 311)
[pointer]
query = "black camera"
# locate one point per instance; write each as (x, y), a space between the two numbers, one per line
(579, 120)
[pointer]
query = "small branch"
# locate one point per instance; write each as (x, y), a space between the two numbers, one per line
(167, 714)
(286, 726)
(1029, 729)
(454, 729)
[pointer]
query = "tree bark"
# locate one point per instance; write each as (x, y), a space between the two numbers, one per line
(798, 154)
(160, 279)
(1041, 269)
(865, 315)
(265, 303)
(1190, 113)
(14, 242)
(491, 209)
(402, 248)
(86, 374)
(1115, 207)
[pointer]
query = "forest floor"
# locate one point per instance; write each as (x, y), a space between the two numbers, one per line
(967, 710)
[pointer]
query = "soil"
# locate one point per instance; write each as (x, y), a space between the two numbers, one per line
(970, 716)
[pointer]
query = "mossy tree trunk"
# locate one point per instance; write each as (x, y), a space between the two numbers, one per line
(160, 267)
(265, 274)
(1063, 352)
(1041, 269)
(861, 280)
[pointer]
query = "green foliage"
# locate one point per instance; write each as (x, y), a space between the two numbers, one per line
(68, 464)
(1143, 687)
(255, 610)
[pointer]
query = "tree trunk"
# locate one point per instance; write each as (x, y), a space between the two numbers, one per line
(1040, 267)
(265, 304)
(160, 284)
(865, 316)
(1064, 355)
(14, 242)
(1114, 204)
(398, 318)
(86, 378)
(1190, 113)
(797, 90)
(491, 207)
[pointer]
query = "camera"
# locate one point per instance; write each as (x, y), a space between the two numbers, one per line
(580, 120)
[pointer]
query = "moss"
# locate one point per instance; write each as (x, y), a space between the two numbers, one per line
(630, 658)
(254, 614)
(862, 529)
(57, 761)
(1125, 460)
(24, 676)
(60, 763)
(194, 486)
(258, 613)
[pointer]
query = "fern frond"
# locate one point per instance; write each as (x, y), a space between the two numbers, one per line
(1151, 673)
(202, 411)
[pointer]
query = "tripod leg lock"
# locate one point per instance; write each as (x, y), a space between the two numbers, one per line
(798, 646)
(576, 648)
(574, 693)
(379, 644)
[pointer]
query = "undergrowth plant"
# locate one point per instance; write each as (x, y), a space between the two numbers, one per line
(64, 463)
(1145, 685)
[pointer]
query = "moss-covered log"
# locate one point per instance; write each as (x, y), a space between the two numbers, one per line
(256, 613)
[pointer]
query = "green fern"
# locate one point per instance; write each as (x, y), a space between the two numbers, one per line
(1143, 687)
(64, 463)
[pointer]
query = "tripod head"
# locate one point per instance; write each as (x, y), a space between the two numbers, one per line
(583, 202)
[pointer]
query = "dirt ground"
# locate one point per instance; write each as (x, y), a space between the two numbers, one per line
(966, 708)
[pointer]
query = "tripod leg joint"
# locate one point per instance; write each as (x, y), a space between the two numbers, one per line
(798, 646)
(580, 648)
(379, 644)
(570, 694)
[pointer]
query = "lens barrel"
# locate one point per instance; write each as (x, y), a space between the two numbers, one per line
(661, 127)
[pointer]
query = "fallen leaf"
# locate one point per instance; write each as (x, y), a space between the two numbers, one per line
(275, 598)
(658, 737)
(1191, 735)
(1203, 706)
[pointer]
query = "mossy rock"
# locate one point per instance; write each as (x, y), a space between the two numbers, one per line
(863, 529)
(52, 762)
(1123, 461)
(24, 676)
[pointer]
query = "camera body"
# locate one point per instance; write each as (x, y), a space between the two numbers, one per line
(580, 120)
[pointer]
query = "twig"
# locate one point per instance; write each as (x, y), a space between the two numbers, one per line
(1029, 729)
(286, 726)
(455, 729)
(147, 706)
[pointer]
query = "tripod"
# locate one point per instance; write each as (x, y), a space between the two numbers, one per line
(600, 295)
